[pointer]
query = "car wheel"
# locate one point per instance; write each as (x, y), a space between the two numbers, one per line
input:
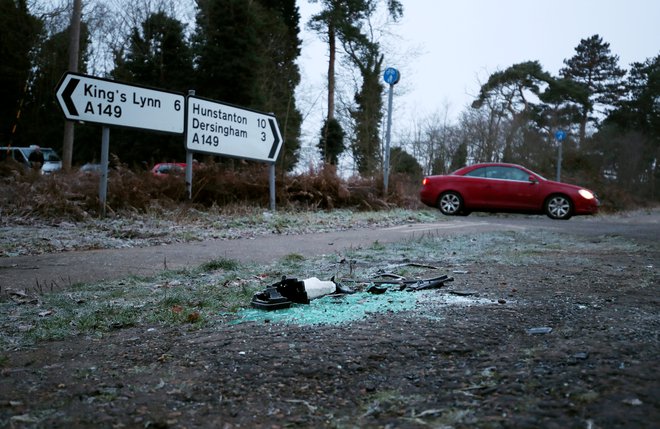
(559, 207)
(450, 203)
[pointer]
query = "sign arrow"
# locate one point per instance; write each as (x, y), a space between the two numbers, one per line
(108, 102)
(66, 95)
(276, 142)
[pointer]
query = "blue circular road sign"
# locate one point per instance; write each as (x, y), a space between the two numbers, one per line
(391, 76)
(560, 135)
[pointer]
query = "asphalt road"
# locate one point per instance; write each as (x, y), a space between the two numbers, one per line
(59, 270)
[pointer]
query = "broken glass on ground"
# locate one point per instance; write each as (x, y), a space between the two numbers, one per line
(333, 309)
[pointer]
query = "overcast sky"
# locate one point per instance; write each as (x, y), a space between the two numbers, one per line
(445, 48)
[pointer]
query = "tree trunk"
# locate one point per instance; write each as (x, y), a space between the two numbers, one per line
(583, 128)
(332, 44)
(74, 48)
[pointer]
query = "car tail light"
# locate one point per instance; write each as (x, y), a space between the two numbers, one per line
(425, 181)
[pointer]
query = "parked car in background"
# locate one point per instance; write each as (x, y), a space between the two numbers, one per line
(176, 168)
(52, 162)
(499, 187)
(90, 168)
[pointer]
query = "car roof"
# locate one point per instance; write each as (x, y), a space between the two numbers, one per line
(491, 164)
(25, 148)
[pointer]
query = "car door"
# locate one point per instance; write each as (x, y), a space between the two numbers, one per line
(511, 189)
(475, 187)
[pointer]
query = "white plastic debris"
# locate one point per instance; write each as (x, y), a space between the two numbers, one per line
(316, 288)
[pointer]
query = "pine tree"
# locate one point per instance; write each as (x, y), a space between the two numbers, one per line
(597, 69)
(368, 111)
(331, 144)
(245, 54)
(19, 33)
(459, 158)
(404, 163)
(226, 49)
(280, 44)
(42, 118)
(158, 56)
(509, 95)
(629, 137)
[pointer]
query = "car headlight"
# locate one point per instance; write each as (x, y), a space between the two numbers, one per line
(586, 194)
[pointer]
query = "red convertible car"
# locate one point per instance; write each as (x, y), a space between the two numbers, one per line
(498, 187)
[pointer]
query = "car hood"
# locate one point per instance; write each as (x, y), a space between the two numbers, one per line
(564, 185)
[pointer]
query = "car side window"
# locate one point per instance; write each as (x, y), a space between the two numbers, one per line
(507, 173)
(519, 175)
(497, 173)
(477, 172)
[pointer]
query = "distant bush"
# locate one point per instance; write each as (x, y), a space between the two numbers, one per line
(75, 195)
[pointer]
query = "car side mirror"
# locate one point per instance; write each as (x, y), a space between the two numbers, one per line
(533, 179)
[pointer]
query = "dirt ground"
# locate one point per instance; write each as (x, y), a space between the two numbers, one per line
(567, 342)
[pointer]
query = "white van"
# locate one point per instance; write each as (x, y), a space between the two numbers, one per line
(52, 162)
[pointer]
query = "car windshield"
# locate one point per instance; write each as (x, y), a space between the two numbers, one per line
(170, 168)
(51, 156)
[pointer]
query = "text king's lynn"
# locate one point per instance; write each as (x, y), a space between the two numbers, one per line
(91, 90)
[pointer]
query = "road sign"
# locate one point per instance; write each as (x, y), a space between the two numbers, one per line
(391, 76)
(560, 135)
(103, 101)
(224, 129)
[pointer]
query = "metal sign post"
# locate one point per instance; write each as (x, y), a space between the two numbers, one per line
(391, 77)
(189, 161)
(560, 136)
(271, 184)
(103, 182)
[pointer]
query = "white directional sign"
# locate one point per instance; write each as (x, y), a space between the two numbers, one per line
(103, 101)
(223, 129)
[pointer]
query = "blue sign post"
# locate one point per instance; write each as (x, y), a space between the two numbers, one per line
(391, 77)
(560, 136)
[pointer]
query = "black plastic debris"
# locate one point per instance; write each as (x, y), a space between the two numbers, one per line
(463, 292)
(342, 289)
(433, 283)
(377, 289)
(291, 290)
(381, 286)
(281, 295)
(270, 299)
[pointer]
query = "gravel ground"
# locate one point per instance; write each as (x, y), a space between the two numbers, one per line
(551, 330)
(27, 236)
